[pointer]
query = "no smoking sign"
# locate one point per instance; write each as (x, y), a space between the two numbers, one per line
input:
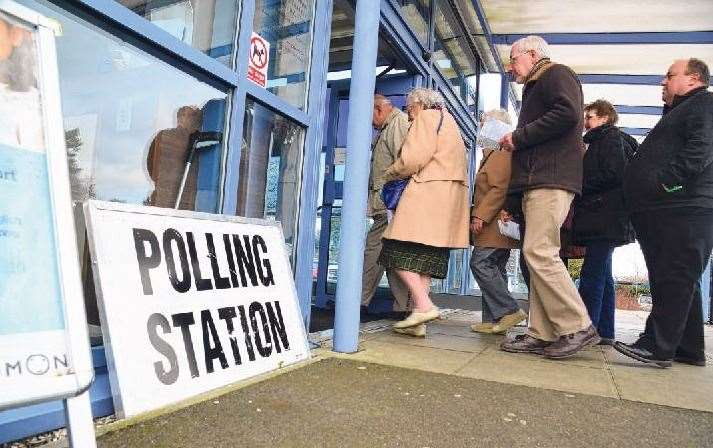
(259, 60)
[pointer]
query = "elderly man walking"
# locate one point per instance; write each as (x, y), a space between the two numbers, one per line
(546, 173)
(668, 186)
(392, 126)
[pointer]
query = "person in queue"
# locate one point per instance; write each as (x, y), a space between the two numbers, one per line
(491, 249)
(432, 215)
(547, 150)
(601, 222)
(392, 126)
(668, 187)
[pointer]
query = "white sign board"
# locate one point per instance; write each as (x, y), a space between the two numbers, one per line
(259, 60)
(44, 348)
(190, 302)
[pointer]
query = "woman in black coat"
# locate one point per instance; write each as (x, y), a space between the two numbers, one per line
(601, 222)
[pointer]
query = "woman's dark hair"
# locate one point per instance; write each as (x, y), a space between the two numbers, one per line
(603, 108)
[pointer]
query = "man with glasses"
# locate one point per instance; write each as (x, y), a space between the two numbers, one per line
(669, 190)
(547, 150)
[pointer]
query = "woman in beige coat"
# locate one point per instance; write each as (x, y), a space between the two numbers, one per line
(432, 215)
(492, 249)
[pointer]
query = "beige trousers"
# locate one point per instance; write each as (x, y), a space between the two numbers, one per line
(373, 271)
(556, 307)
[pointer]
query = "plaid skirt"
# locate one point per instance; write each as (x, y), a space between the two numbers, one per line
(414, 257)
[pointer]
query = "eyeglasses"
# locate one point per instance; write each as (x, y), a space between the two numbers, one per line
(513, 58)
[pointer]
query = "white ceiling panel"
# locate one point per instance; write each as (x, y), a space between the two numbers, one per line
(638, 120)
(623, 59)
(586, 16)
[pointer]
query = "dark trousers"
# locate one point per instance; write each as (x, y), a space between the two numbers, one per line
(676, 244)
(489, 267)
(596, 286)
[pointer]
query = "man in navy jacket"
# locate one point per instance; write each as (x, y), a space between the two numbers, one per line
(668, 186)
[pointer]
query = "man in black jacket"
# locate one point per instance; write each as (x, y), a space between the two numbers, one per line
(669, 189)
(546, 173)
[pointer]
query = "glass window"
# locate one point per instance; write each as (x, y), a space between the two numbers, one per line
(207, 25)
(417, 13)
(452, 56)
(130, 123)
(271, 169)
(131, 120)
(287, 26)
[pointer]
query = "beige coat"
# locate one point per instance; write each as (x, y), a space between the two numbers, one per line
(491, 187)
(384, 153)
(433, 209)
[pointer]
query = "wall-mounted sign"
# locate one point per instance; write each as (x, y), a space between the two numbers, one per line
(44, 348)
(259, 60)
(190, 301)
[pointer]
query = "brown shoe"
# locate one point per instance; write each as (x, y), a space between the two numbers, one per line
(524, 343)
(570, 344)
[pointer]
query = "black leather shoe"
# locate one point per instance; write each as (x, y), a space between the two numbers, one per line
(641, 354)
(690, 361)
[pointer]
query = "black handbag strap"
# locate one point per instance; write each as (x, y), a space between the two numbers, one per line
(482, 162)
(440, 122)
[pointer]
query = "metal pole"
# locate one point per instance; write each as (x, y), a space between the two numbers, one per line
(504, 91)
(356, 177)
(705, 282)
(80, 423)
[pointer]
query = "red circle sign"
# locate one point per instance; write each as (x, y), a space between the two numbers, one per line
(258, 52)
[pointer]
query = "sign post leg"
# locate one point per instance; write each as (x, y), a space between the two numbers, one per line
(80, 424)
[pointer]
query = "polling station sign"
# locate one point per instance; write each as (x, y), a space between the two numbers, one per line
(189, 302)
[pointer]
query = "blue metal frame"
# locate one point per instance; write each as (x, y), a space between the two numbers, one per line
(413, 50)
(636, 131)
(316, 105)
(641, 110)
(649, 38)
(140, 32)
(489, 38)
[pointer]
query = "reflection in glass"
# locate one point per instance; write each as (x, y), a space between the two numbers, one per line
(270, 169)
(287, 26)
(417, 13)
(206, 25)
(121, 105)
(452, 56)
(126, 128)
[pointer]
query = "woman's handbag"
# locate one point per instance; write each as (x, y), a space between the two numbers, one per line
(391, 193)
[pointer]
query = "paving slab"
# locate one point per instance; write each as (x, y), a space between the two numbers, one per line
(533, 371)
(411, 356)
(343, 403)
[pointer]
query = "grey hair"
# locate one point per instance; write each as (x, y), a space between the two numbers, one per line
(497, 114)
(381, 99)
(535, 44)
(429, 98)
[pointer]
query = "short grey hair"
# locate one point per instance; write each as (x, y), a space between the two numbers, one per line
(429, 98)
(533, 43)
(381, 99)
(497, 114)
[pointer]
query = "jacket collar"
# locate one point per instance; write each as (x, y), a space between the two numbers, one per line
(537, 70)
(597, 133)
(391, 116)
(678, 99)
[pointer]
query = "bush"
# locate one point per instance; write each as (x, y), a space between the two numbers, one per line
(574, 266)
